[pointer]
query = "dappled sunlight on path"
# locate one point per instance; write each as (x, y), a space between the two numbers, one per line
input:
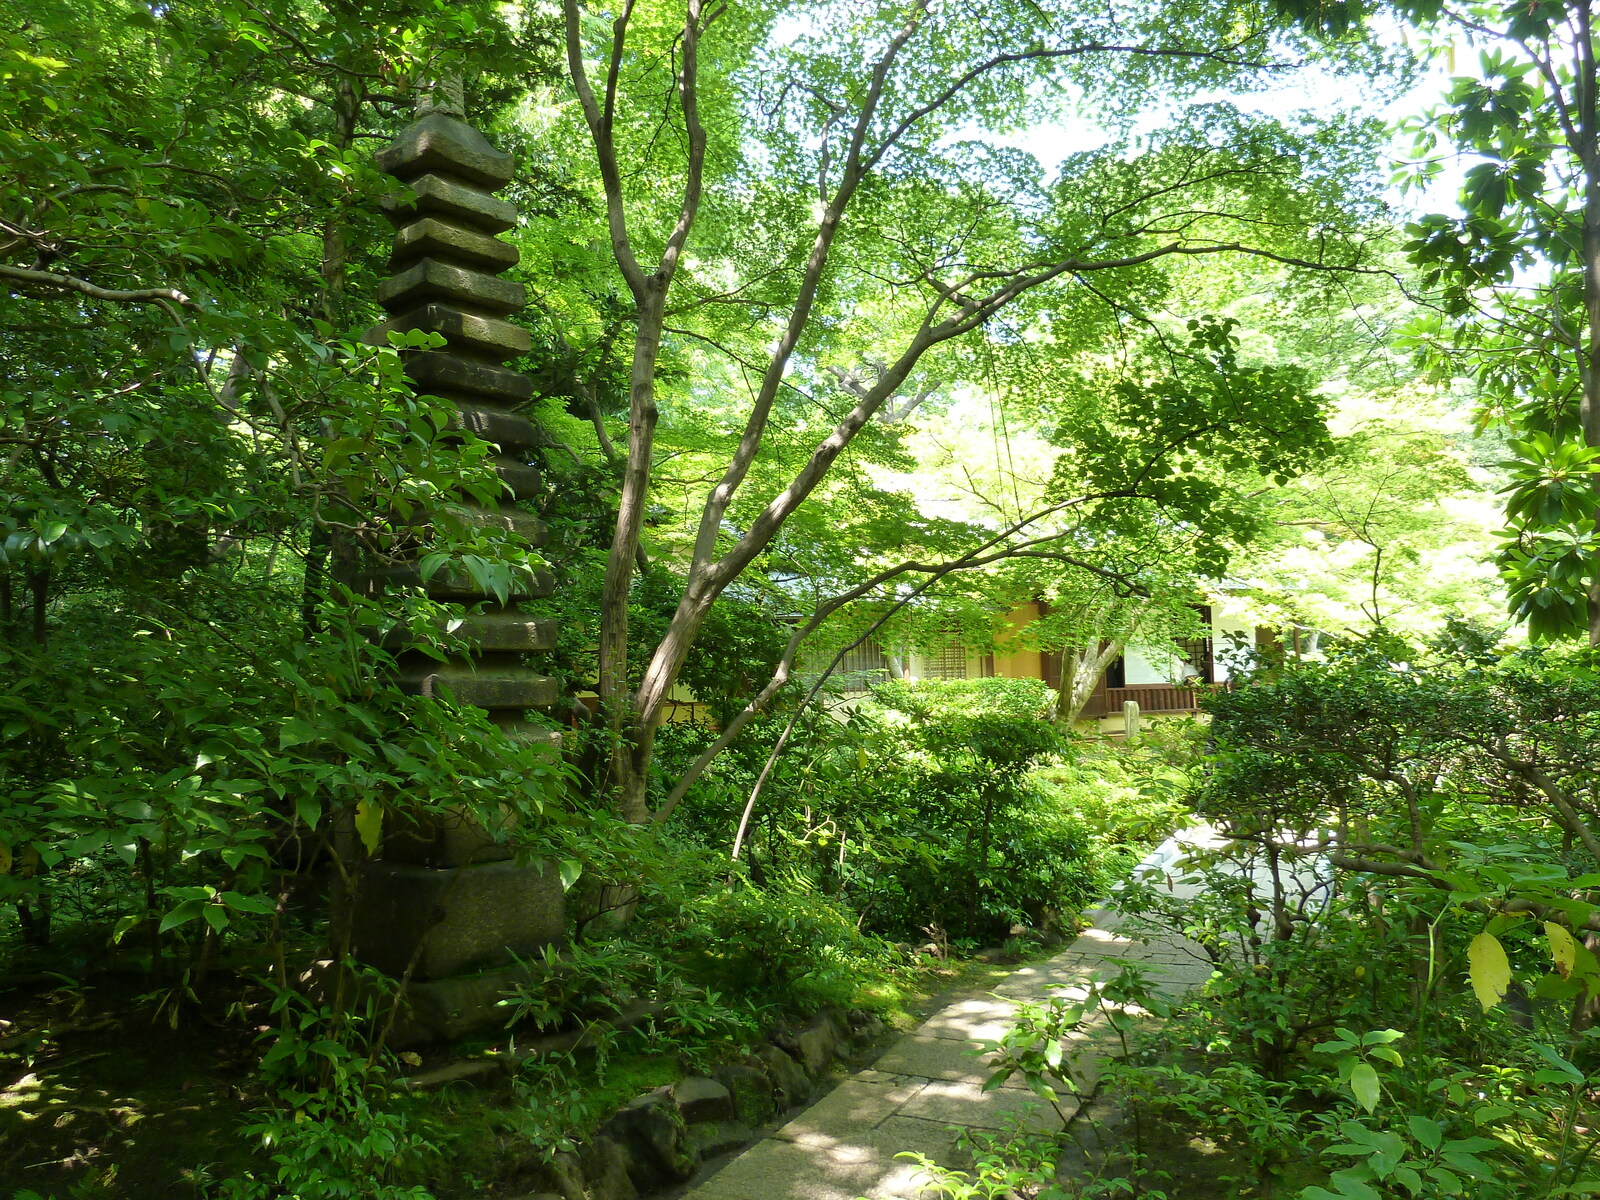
(929, 1084)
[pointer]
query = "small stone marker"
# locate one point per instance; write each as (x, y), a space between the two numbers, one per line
(1130, 718)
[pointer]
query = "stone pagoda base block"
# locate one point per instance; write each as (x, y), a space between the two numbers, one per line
(444, 840)
(445, 1010)
(457, 920)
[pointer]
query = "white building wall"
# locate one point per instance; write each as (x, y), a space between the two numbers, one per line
(1145, 664)
(1226, 633)
(1148, 664)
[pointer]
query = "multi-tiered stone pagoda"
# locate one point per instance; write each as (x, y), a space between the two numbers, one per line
(446, 903)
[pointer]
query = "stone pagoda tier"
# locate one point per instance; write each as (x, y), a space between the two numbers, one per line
(444, 901)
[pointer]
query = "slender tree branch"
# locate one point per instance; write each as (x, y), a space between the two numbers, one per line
(165, 297)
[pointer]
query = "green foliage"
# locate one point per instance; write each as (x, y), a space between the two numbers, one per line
(330, 1130)
(1037, 1047)
(1391, 920)
(1021, 1165)
(956, 700)
(784, 947)
(1524, 203)
(921, 812)
(1130, 797)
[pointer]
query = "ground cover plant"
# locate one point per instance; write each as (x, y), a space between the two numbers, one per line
(954, 810)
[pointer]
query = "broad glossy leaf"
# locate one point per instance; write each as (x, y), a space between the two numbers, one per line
(1488, 969)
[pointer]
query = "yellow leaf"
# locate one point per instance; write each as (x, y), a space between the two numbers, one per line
(1563, 947)
(1488, 969)
(369, 824)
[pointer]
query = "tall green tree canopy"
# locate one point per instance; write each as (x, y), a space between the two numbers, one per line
(789, 192)
(1517, 276)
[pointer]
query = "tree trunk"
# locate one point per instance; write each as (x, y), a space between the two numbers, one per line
(1081, 673)
(335, 239)
(630, 727)
(1588, 152)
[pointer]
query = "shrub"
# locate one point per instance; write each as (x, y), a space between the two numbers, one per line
(788, 947)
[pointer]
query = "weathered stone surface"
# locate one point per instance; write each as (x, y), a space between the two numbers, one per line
(454, 243)
(526, 733)
(484, 688)
(439, 143)
(444, 840)
(562, 1176)
(956, 1102)
(817, 1049)
(469, 331)
(453, 921)
(862, 1165)
(512, 520)
(443, 1010)
(474, 1071)
(718, 1137)
(852, 1106)
(522, 480)
(749, 1092)
(933, 1058)
(605, 1170)
(431, 280)
(434, 195)
(702, 1099)
(789, 1082)
(974, 1019)
(866, 1028)
(506, 430)
(435, 368)
(652, 1135)
(444, 585)
(509, 631)
(822, 1039)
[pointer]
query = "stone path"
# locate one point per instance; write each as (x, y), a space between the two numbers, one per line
(928, 1085)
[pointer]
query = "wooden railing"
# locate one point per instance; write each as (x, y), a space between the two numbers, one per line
(1150, 697)
(1153, 697)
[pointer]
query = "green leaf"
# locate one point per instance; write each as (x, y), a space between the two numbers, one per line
(184, 913)
(571, 869)
(1352, 1187)
(1364, 1085)
(296, 732)
(1488, 969)
(1449, 1183)
(308, 810)
(369, 824)
(1429, 1133)
(1563, 947)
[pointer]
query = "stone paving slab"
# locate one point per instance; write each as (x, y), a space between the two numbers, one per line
(936, 1058)
(855, 1105)
(864, 1164)
(985, 1018)
(961, 1102)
